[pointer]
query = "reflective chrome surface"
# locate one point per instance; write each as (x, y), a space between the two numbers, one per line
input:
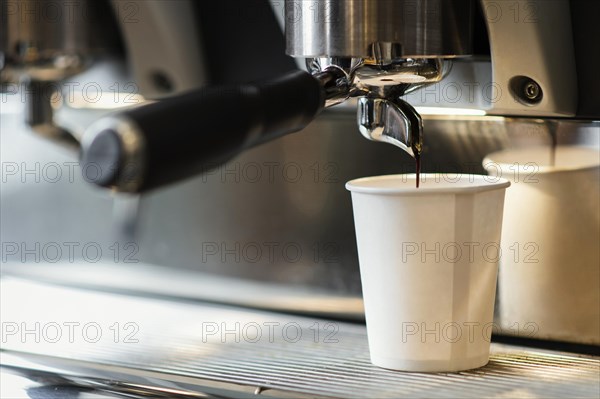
(382, 114)
(336, 83)
(397, 123)
(41, 97)
(365, 29)
(44, 42)
(386, 49)
(177, 227)
(534, 58)
(400, 77)
(52, 40)
(33, 384)
(287, 195)
(188, 349)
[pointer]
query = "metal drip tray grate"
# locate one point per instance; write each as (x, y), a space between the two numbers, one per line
(185, 347)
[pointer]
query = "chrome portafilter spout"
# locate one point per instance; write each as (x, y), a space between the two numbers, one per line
(387, 49)
(382, 114)
(135, 154)
(396, 123)
(375, 50)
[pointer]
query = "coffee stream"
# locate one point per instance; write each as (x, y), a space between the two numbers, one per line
(418, 167)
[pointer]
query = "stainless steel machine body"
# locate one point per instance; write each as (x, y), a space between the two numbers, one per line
(369, 29)
(386, 49)
(496, 74)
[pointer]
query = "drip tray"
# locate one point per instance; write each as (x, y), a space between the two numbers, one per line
(154, 347)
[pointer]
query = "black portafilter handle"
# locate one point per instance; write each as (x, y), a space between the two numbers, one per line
(164, 142)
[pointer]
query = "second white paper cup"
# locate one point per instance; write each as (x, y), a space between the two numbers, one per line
(428, 262)
(549, 278)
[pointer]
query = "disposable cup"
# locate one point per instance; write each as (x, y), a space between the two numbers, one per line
(428, 263)
(549, 278)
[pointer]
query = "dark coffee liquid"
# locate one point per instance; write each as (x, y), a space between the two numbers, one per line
(418, 166)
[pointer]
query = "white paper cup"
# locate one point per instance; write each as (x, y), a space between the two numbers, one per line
(428, 264)
(549, 279)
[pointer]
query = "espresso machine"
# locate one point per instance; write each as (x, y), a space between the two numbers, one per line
(204, 179)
